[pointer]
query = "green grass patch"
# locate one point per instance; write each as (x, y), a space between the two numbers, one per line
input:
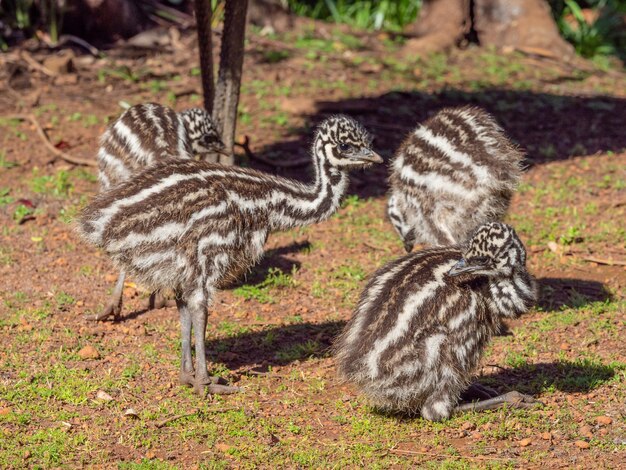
(264, 291)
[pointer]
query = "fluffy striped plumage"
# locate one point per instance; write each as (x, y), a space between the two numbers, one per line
(423, 321)
(193, 226)
(453, 173)
(146, 134)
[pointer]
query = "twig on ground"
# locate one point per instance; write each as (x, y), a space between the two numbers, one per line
(44, 137)
(245, 145)
(163, 423)
(26, 57)
(93, 50)
(267, 42)
(270, 375)
(395, 450)
(619, 203)
(374, 247)
(608, 262)
(186, 92)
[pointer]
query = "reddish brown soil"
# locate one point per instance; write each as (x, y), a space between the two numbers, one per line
(572, 125)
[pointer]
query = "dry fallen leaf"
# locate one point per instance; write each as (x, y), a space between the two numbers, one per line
(130, 413)
(104, 396)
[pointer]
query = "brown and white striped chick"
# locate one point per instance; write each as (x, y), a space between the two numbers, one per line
(452, 174)
(194, 226)
(423, 321)
(144, 135)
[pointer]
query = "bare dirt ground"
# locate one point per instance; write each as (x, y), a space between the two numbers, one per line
(75, 393)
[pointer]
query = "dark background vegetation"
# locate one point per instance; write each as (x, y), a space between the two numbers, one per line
(594, 27)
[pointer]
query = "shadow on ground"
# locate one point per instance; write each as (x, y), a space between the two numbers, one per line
(276, 258)
(275, 345)
(580, 376)
(283, 344)
(549, 127)
(557, 293)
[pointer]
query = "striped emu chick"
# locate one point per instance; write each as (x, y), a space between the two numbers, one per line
(423, 321)
(194, 226)
(452, 174)
(144, 135)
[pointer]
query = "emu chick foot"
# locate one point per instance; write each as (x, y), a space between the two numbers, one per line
(112, 309)
(212, 385)
(158, 300)
(477, 391)
(514, 399)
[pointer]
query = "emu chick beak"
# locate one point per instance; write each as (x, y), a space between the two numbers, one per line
(462, 267)
(221, 149)
(369, 156)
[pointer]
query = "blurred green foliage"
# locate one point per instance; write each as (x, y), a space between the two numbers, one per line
(596, 28)
(391, 15)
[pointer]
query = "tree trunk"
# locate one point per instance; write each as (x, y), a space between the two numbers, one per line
(229, 76)
(520, 24)
(440, 26)
(205, 44)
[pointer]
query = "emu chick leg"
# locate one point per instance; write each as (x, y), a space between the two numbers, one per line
(202, 382)
(186, 364)
(513, 399)
(114, 307)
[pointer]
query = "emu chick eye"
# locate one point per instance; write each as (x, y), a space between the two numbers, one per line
(344, 147)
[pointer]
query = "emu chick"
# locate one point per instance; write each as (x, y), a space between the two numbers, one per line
(423, 321)
(453, 173)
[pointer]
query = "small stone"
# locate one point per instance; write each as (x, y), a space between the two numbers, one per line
(546, 436)
(467, 426)
(371, 67)
(60, 64)
(89, 352)
(565, 347)
(585, 431)
(222, 447)
(104, 396)
(69, 79)
(27, 454)
(603, 420)
(130, 413)
(582, 444)
(525, 442)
